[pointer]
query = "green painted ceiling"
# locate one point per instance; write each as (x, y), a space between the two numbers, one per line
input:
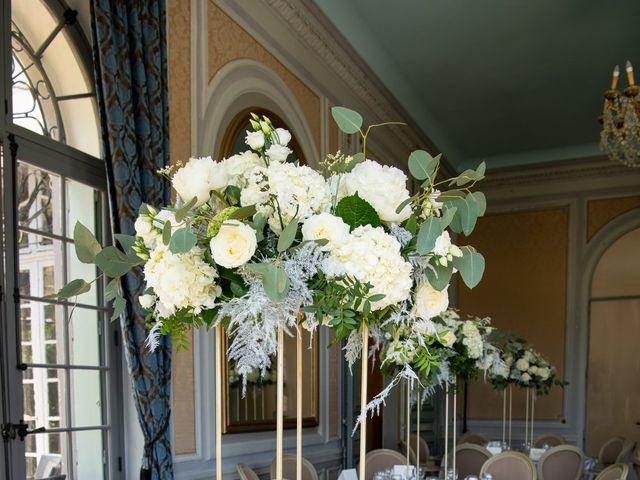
(512, 82)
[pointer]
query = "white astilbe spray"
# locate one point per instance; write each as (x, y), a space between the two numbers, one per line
(379, 400)
(254, 318)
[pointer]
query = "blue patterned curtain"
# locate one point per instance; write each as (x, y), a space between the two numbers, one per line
(129, 42)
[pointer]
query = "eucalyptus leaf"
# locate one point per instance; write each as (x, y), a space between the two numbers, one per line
(430, 230)
(465, 177)
(119, 306)
(86, 244)
(111, 290)
(274, 280)
(113, 262)
(421, 164)
(183, 210)
(468, 213)
(243, 212)
(127, 242)
(481, 170)
(166, 232)
(411, 224)
(288, 235)
(182, 241)
(404, 203)
(481, 201)
(440, 278)
(471, 266)
(447, 216)
(356, 211)
(74, 288)
(349, 121)
(258, 224)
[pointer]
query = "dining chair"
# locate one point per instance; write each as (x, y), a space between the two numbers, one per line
(509, 466)
(608, 455)
(550, 439)
(246, 472)
(617, 471)
(564, 462)
(473, 437)
(427, 462)
(470, 458)
(626, 454)
(381, 459)
(309, 472)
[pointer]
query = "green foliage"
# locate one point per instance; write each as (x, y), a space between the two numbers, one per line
(422, 165)
(119, 306)
(288, 235)
(111, 290)
(182, 241)
(349, 121)
(166, 232)
(439, 278)
(114, 263)
(243, 212)
(73, 288)
(182, 212)
(429, 232)
(86, 245)
(356, 211)
(470, 265)
(274, 280)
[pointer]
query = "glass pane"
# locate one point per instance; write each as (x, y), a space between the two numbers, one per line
(84, 335)
(45, 455)
(42, 332)
(44, 397)
(87, 271)
(80, 131)
(80, 206)
(38, 197)
(86, 407)
(88, 448)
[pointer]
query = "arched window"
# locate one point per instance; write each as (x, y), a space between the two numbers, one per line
(63, 383)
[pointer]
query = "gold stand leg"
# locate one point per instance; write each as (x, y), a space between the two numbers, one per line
(454, 427)
(526, 421)
(510, 412)
(504, 417)
(279, 405)
(418, 408)
(363, 400)
(299, 405)
(219, 359)
(533, 404)
(446, 430)
(408, 424)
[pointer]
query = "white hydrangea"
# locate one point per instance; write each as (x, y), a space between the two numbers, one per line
(182, 280)
(237, 165)
(372, 256)
(198, 178)
(472, 339)
(384, 187)
(298, 191)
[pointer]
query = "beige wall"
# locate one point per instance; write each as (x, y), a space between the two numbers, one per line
(601, 211)
(523, 291)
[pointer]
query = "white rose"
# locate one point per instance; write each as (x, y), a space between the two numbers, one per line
(278, 153)
(543, 373)
(234, 245)
(429, 302)
(447, 339)
(147, 301)
(325, 226)
(522, 364)
(198, 178)
(384, 187)
(533, 370)
(283, 136)
(237, 165)
(255, 140)
(526, 378)
(145, 231)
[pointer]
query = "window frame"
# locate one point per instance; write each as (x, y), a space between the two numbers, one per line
(19, 143)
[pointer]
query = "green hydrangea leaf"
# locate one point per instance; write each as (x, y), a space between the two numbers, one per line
(356, 212)
(86, 244)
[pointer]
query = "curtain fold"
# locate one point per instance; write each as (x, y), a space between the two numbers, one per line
(130, 59)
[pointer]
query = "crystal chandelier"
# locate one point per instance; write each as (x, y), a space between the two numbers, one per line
(620, 136)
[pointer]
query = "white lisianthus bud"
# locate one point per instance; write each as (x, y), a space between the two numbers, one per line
(147, 301)
(198, 178)
(283, 137)
(325, 226)
(278, 153)
(234, 245)
(522, 364)
(429, 302)
(447, 338)
(255, 140)
(266, 128)
(145, 231)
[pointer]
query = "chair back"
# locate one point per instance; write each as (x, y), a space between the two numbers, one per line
(551, 439)
(626, 454)
(473, 437)
(610, 450)
(379, 460)
(509, 466)
(470, 458)
(309, 472)
(246, 472)
(564, 462)
(617, 471)
(424, 447)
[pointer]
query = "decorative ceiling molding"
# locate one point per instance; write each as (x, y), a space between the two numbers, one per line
(324, 60)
